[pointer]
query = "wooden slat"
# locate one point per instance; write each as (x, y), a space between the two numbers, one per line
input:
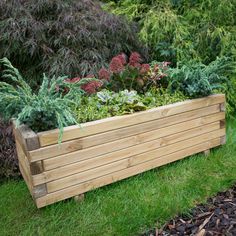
(97, 139)
(118, 155)
(134, 160)
(73, 132)
(24, 166)
(26, 178)
(107, 179)
(112, 146)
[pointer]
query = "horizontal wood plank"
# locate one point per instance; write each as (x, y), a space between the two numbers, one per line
(119, 175)
(81, 166)
(133, 160)
(101, 138)
(112, 146)
(51, 137)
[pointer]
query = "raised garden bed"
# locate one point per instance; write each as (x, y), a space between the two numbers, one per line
(102, 152)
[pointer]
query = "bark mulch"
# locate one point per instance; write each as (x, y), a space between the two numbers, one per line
(216, 217)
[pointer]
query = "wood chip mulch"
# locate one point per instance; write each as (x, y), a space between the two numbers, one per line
(216, 217)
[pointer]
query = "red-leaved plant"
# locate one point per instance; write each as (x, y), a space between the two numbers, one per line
(90, 87)
(126, 73)
(130, 73)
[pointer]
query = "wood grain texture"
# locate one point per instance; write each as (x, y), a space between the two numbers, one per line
(101, 149)
(90, 128)
(145, 156)
(101, 138)
(105, 151)
(116, 176)
(30, 138)
(24, 166)
(107, 158)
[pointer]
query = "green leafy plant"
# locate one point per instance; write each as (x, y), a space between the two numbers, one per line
(199, 80)
(179, 30)
(109, 103)
(123, 102)
(43, 110)
(156, 97)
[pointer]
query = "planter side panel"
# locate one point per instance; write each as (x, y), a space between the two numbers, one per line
(26, 141)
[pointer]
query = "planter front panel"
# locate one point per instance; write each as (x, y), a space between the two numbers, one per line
(105, 151)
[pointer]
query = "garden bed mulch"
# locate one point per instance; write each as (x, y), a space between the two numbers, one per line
(216, 217)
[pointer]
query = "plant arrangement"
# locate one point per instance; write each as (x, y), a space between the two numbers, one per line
(61, 101)
(109, 103)
(117, 90)
(125, 86)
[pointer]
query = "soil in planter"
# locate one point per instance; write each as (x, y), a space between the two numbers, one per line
(216, 217)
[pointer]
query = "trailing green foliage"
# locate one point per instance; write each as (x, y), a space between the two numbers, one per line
(107, 103)
(43, 110)
(62, 37)
(199, 80)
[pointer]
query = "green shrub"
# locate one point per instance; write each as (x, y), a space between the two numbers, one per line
(43, 110)
(180, 30)
(69, 37)
(198, 80)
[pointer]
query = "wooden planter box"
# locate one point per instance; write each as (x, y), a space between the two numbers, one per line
(101, 152)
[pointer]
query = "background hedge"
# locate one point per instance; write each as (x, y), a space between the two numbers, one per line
(182, 30)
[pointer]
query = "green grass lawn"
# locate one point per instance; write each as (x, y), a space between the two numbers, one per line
(128, 207)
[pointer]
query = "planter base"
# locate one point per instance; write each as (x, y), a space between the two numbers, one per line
(207, 152)
(79, 198)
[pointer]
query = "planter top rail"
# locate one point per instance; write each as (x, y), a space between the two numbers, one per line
(76, 131)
